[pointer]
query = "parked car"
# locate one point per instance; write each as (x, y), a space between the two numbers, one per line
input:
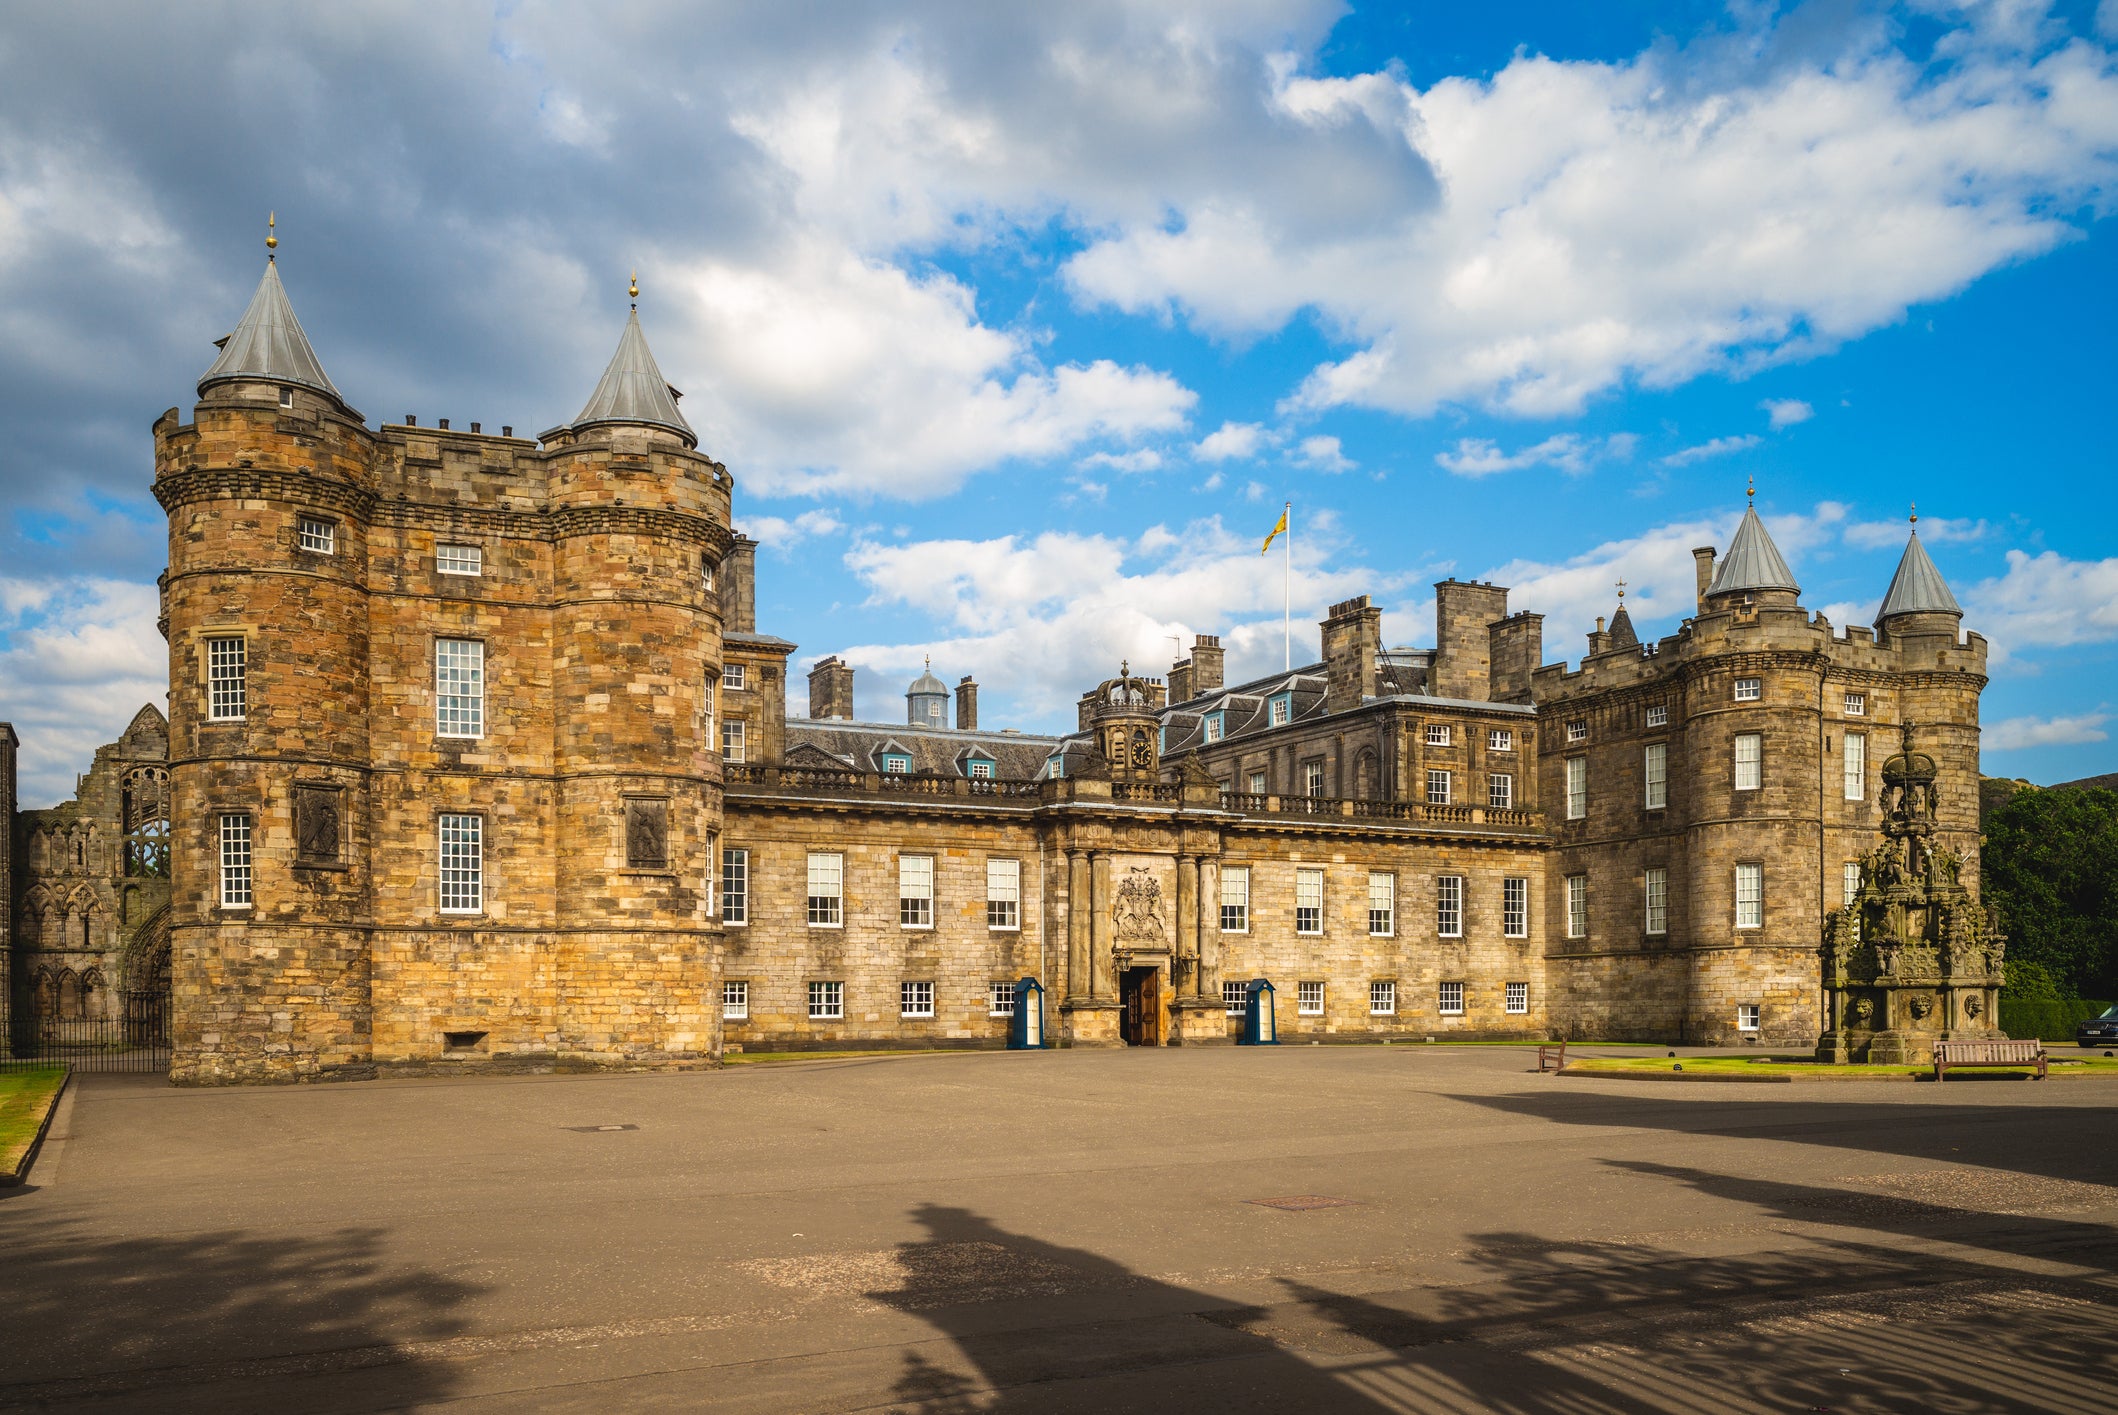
(2099, 1031)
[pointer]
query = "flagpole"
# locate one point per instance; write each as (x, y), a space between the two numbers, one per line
(1287, 594)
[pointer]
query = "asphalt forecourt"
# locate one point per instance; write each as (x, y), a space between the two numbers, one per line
(1293, 1228)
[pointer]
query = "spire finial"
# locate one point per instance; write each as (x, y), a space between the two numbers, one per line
(1125, 668)
(1915, 513)
(271, 234)
(930, 660)
(632, 287)
(1751, 488)
(1621, 589)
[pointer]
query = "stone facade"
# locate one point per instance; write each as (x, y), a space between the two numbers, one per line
(664, 859)
(87, 888)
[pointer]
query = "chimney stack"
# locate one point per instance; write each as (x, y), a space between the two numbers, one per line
(1206, 664)
(831, 689)
(739, 588)
(966, 705)
(1353, 646)
(1464, 615)
(1702, 559)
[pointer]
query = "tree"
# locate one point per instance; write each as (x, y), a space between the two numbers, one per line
(2051, 867)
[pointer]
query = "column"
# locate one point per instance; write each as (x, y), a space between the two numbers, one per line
(1077, 916)
(1099, 923)
(1186, 983)
(1208, 924)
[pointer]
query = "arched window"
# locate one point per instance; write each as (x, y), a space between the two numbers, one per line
(147, 850)
(70, 997)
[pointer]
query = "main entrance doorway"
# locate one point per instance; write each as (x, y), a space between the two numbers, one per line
(1143, 1022)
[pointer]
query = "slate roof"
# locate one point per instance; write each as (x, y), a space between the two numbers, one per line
(1245, 709)
(860, 746)
(1753, 562)
(1623, 635)
(268, 343)
(632, 389)
(1917, 586)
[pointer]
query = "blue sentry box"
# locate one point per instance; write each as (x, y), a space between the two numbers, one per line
(1026, 1027)
(1260, 1026)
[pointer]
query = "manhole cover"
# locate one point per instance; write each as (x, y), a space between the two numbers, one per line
(1298, 1203)
(597, 1129)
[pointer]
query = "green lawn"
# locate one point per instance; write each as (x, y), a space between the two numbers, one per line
(1801, 1068)
(25, 1098)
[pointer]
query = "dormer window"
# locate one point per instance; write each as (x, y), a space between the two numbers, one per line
(896, 764)
(1214, 726)
(978, 769)
(1055, 769)
(1281, 710)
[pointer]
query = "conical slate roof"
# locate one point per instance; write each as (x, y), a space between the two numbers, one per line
(268, 344)
(1917, 586)
(1753, 562)
(633, 390)
(1623, 635)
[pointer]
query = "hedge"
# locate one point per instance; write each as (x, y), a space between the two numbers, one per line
(2045, 1019)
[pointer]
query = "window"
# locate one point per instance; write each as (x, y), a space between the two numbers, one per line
(1448, 906)
(235, 862)
(1309, 999)
(1577, 906)
(1856, 766)
(1518, 999)
(1515, 908)
(286, 397)
(827, 1001)
(1257, 783)
(1382, 904)
(732, 740)
(1235, 998)
(1750, 896)
(1437, 734)
(896, 763)
(319, 535)
(1576, 788)
(1658, 716)
(1501, 739)
(459, 687)
(459, 560)
(1749, 690)
(1235, 900)
(735, 676)
(227, 665)
(1500, 791)
(1577, 730)
(915, 891)
(1656, 886)
(735, 1001)
(462, 864)
(981, 770)
(915, 999)
(1746, 1017)
(1655, 771)
(1308, 901)
(827, 884)
(1382, 999)
(1850, 881)
(735, 886)
(1213, 722)
(1312, 779)
(1000, 1000)
(1437, 788)
(1750, 754)
(1055, 769)
(1451, 999)
(1279, 711)
(1856, 705)
(1003, 894)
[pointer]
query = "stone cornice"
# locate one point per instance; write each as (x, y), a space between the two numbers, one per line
(195, 484)
(641, 520)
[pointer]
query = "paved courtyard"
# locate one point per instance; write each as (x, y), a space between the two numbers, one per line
(1071, 1231)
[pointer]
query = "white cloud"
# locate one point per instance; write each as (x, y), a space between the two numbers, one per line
(2045, 601)
(82, 657)
(1718, 447)
(1935, 530)
(1569, 452)
(1324, 454)
(782, 534)
(1693, 209)
(2016, 732)
(1140, 459)
(1230, 440)
(1786, 412)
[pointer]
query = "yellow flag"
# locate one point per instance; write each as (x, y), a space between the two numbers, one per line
(1275, 533)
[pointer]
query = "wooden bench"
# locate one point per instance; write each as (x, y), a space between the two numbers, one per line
(1552, 1057)
(1950, 1056)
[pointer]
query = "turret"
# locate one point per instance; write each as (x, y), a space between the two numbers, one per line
(1918, 604)
(1753, 573)
(927, 700)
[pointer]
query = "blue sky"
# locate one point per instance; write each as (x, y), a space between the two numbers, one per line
(1016, 329)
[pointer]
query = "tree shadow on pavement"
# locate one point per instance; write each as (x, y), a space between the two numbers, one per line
(218, 1321)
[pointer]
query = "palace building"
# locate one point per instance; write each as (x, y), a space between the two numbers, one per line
(475, 756)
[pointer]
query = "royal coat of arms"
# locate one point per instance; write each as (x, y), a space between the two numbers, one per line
(1138, 910)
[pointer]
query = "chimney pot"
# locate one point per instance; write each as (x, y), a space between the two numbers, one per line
(442, 423)
(475, 428)
(411, 420)
(507, 430)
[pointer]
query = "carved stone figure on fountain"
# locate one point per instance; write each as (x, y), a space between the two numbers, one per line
(1927, 964)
